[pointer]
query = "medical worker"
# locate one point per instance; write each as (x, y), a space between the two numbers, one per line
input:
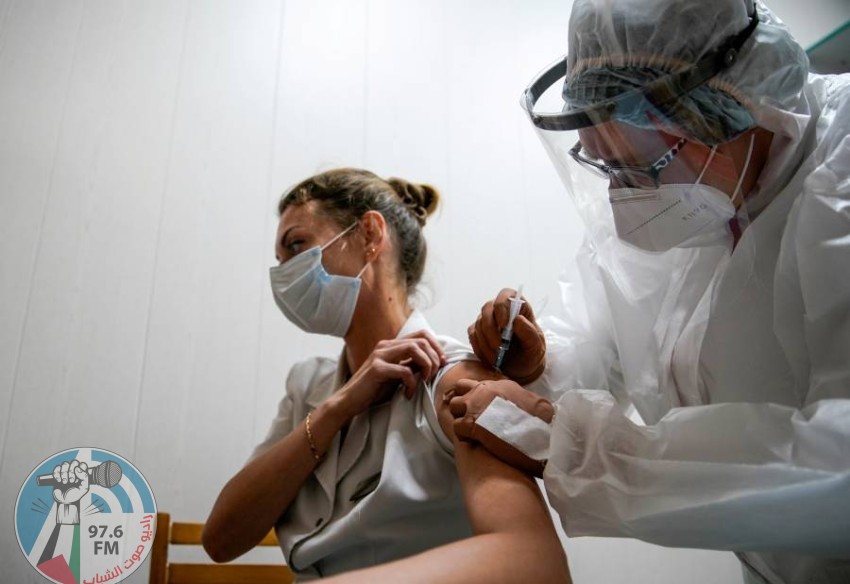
(701, 368)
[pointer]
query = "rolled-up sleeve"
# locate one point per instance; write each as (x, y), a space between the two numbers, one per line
(427, 417)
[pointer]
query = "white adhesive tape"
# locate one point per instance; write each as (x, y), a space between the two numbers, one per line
(528, 434)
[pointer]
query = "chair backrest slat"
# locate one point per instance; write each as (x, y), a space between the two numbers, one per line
(185, 533)
(228, 574)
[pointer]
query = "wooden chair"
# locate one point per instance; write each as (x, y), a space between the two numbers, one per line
(163, 572)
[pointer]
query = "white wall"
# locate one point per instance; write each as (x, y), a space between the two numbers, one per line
(813, 20)
(143, 146)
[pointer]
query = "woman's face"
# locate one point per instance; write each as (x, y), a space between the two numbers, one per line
(304, 226)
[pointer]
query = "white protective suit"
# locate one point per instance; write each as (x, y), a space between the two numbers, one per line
(737, 360)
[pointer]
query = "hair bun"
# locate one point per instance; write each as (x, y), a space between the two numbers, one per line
(420, 199)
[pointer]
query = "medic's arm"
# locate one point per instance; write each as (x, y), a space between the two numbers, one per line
(734, 476)
(514, 539)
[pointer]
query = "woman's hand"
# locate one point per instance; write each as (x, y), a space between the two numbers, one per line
(393, 364)
(526, 357)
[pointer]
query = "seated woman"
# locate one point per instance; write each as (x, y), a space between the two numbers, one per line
(361, 466)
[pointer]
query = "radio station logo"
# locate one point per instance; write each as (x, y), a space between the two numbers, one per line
(85, 516)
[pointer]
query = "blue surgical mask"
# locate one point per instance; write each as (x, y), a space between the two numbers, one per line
(312, 299)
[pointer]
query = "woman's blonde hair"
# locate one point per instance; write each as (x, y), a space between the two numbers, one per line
(345, 194)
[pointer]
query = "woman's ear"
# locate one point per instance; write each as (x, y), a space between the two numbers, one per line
(374, 231)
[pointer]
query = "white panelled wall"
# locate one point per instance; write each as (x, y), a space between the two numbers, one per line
(143, 146)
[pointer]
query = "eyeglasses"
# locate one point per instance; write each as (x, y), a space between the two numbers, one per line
(641, 177)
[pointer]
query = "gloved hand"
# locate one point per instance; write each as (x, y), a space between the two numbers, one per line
(526, 357)
(469, 398)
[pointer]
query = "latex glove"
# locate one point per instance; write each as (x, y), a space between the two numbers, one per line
(526, 357)
(469, 398)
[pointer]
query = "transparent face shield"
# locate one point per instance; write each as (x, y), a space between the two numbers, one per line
(659, 207)
(653, 190)
(627, 166)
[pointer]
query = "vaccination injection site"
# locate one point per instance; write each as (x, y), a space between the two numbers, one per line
(425, 291)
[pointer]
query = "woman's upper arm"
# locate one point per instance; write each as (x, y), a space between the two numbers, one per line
(498, 497)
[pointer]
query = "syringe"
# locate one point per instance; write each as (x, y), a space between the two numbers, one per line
(508, 331)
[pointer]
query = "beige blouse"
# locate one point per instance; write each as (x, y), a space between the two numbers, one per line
(388, 491)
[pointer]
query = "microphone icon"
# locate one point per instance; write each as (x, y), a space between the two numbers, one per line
(106, 474)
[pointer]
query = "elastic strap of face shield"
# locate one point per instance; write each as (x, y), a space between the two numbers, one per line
(659, 94)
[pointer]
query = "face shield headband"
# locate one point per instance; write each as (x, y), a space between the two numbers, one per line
(659, 95)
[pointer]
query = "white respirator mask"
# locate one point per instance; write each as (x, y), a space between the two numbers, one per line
(312, 299)
(673, 215)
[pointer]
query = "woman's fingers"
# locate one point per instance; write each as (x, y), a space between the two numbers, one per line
(403, 373)
(409, 359)
(420, 360)
(429, 344)
(432, 341)
(436, 359)
(415, 352)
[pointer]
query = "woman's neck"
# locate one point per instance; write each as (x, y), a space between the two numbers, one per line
(379, 317)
